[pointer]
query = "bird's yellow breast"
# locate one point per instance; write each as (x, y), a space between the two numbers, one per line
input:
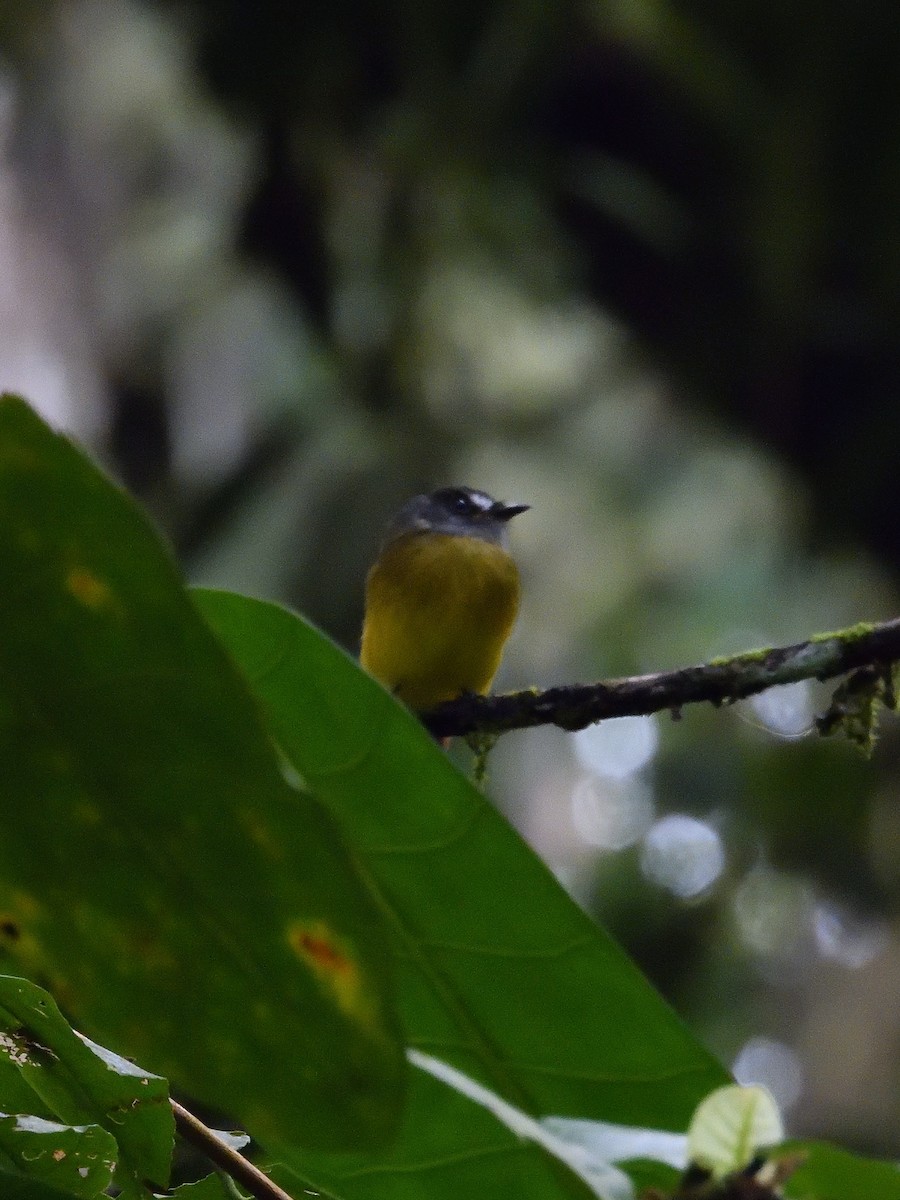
(439, 609)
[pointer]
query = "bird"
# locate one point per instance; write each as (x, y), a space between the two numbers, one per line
(441, 597)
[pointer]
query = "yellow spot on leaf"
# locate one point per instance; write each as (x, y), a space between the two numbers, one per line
(86, 813)
(335, 967)
(28, 906)
(88, 590)
(260, 833)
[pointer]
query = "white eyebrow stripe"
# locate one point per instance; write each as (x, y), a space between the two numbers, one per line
(482, 500)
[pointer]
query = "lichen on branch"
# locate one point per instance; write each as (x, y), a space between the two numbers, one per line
(867, 654)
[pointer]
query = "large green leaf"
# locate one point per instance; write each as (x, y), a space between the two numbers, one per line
(501, 974)
(178, 894)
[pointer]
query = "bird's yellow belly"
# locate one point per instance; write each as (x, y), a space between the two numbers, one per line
(438, 612)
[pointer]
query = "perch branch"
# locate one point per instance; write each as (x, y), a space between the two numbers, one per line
(872, 649)
(232, 1162)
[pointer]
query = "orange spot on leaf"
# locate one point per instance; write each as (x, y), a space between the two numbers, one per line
(334, 965)
(316, 945)
(322, 953)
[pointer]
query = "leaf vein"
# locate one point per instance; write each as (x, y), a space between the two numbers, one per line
(443, 843)
(508, 952)
(436, 1164)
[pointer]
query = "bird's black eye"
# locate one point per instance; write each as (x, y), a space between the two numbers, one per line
(456, 500)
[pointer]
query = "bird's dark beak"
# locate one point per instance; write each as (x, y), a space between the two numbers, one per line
(504, 512)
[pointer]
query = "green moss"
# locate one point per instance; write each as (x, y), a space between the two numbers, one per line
(851, 634)
(745, 656)
(481, 744)
(855, 707)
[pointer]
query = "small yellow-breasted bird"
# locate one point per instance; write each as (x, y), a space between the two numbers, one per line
(441, 597)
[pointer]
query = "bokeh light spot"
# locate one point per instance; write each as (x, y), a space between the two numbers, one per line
(846, 939)
(786, 710)
(773, 913)
(683, 855)
(611, 814)
(619, 747)
(772, 1064)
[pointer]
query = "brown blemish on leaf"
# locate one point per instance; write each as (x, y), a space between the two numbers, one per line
(89, 590)
(21, 920)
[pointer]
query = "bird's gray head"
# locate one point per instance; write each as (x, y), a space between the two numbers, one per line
(458, 511)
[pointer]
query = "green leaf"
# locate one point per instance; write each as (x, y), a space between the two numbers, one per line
(16, 1095)
(80, 1159)
(183, 899)
(13, 1187)
(830, 1173)
(729, 1128)
(501, 975)
(82, 1083)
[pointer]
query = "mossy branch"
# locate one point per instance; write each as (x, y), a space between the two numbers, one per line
(867, 653)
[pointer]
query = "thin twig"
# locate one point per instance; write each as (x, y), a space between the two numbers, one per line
(230, 1161)
(722, 681)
